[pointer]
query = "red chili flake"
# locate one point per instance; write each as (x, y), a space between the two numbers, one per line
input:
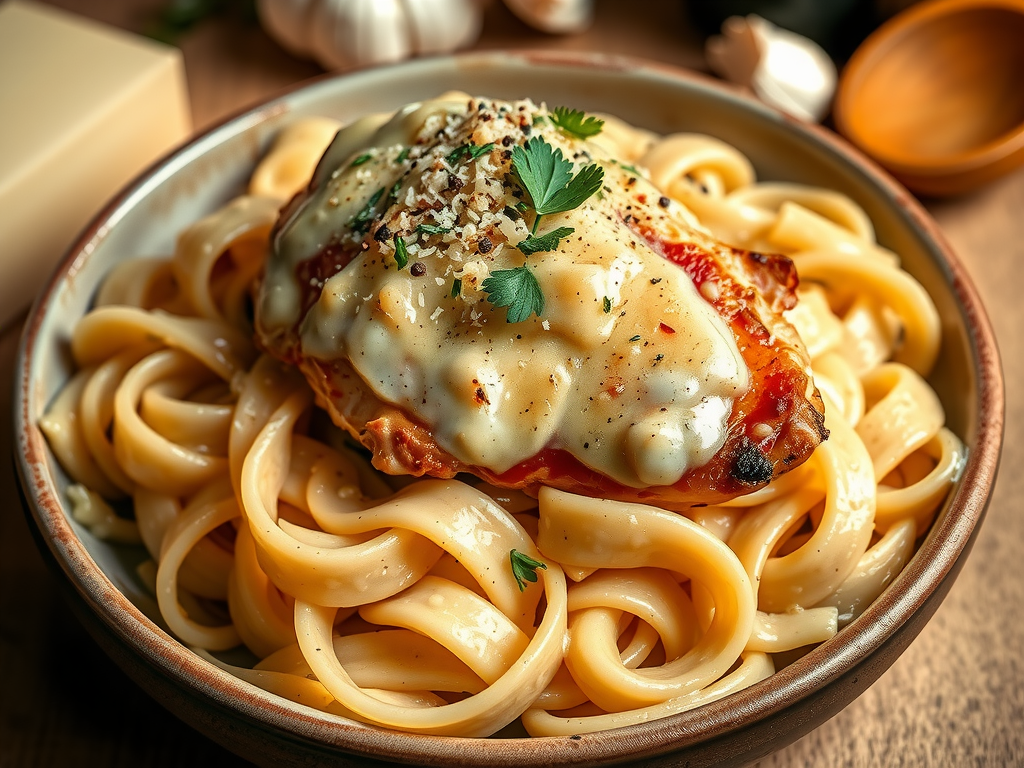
(666, 328)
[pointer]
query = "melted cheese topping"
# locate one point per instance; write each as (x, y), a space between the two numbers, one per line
(628, 367)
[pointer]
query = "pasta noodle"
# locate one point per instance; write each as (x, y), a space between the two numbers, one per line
(407, 604)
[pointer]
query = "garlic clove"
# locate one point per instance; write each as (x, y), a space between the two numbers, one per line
(555, 16)
(346, 33)
(784, 69)
(287, 21)
(439, 26)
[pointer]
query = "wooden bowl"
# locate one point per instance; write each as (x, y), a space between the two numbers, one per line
(935, 94)
(115, 607)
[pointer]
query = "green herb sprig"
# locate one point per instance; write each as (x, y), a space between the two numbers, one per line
(546, 176)
(518, 290)
(547, 242)
(576, 123)
(524, 568)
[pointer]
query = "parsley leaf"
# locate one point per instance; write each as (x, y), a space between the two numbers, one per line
(524, 568)
(516, 289)
(607, 305)
(363, 158)
(432, 229)
(401, 252)
(361, 221)
(547, 177)
(547, 242)
(456, 287)
(583, 185)
(576, 123)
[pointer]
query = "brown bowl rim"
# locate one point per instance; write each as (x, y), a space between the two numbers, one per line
(876, 47)
(936, 559)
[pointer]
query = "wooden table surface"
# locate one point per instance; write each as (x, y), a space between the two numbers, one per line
(955, 698)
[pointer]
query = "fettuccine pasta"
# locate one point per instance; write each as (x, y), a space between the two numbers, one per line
(454, 607)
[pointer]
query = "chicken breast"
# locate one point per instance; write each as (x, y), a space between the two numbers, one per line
(478, 286)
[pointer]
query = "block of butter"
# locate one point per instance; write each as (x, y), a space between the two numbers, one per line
(83, 108)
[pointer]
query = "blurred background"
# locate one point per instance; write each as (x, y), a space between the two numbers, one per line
(956, 697)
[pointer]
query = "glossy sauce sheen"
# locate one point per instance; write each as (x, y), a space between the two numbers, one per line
(628, 378)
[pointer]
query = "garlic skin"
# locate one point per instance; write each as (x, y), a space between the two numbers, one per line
(554, 16)
(783, 69)
(341, 34)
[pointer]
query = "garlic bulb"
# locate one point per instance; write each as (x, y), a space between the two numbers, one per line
(782, 68)
(556, 16)
(347, 33)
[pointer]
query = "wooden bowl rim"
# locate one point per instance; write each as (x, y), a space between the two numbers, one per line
(1007, 148)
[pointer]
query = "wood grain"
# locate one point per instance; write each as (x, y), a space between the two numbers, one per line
(955, 698)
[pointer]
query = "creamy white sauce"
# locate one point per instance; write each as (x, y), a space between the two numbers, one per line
(628, 368)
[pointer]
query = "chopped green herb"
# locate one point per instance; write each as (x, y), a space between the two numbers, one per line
(432, 229)
(471, 149)
(547, 177)
(456, 287)
(547, 242)
(524, 568)
(631, 168)
(401, 253)
(395, 189)
(477, 152)
(576, 123)
(635, 338)
(403, 155)
(363, 158)
(539, 119)
(518, 290)
(607, 304)
(361, 221)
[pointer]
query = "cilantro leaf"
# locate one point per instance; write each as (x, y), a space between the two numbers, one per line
(518, 290)
(401, 252)
(363, 158)
(547, 242)
(403, 155)
(576, 123)
(547, 177)
(524, 568)
(432, 229)
(361, 221)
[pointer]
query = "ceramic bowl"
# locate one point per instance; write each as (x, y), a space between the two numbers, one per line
(934, 94)
(741, 728)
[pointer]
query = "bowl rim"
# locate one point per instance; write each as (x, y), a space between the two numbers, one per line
(875, 48)
(936, 558)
